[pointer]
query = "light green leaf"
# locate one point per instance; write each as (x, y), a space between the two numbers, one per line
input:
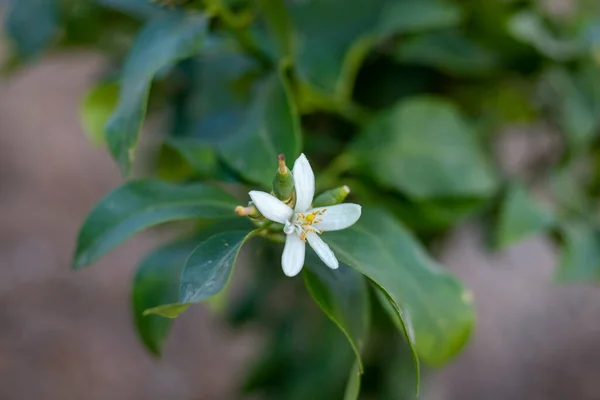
(441, 309)
(138, 205)
(580, 254)
(521, 217)
(528, 27)
(424, 148)
(162, 42)
(270, 127)
(343, 297)
(96, 108)
(447, 51)
(353, 386)
(32, 25)
(409, 16)
(206, 272)
(157, 282)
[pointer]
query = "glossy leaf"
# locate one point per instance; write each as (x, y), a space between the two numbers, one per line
(343, 297)
(521, 216)
(279, 23)
(162, 42)
(96, 109)
(206, 272)
(424, 148)
(157, 282)
(448, 52)
(269, 127)
(579, 259)
(138, 205)
(32, 25)
(441, 309)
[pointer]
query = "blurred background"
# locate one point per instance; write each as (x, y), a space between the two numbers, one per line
(68, 335)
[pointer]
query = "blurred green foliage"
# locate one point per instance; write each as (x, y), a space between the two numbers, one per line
(405, 101)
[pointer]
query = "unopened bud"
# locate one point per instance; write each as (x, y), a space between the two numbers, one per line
(283, 183)
(250, 211)
(332, 197)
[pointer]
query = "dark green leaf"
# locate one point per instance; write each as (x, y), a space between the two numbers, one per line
(32, 25)
(206, 272)
(409, 16)
(269, 127)
(441, 309)
(201, 157)
(353, 385)
(143, 9)
(96, 108)
(424, 148)
(279, 23)
(141, 204)
(208, 268)
(161, 43)
(343, 297)
(580, 254)
(324, 37)
(449, 52)
(521, 216)
(157, 282)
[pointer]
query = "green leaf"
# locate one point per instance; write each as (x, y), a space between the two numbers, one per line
(201, 157)
(424, 148)
(32, 25)
(157, 282)
(402, 321)
(269, 127)
(353, 386)
(409, 16)
(343, 297)
(528, 27)
(580, 254)
(96, 108)
(279, 23)
(206, 272)
(323, 42)
(143, 9)
(441, 309)
(162, 42)
(571, 107)
(521, 217)
(138, 205)
(330, 48)
(449, 52)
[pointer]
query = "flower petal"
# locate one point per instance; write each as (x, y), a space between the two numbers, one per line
(304, 183)
(334, 218)
(292, 259)
(271, 207)
(322, 250)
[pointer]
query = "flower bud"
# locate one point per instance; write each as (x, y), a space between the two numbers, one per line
(283, 183)
(332, 197)
(250, 211)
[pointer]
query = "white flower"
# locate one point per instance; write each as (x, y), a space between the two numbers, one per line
(302, 224)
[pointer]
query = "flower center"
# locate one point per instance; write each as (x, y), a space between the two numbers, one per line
(306, 223)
